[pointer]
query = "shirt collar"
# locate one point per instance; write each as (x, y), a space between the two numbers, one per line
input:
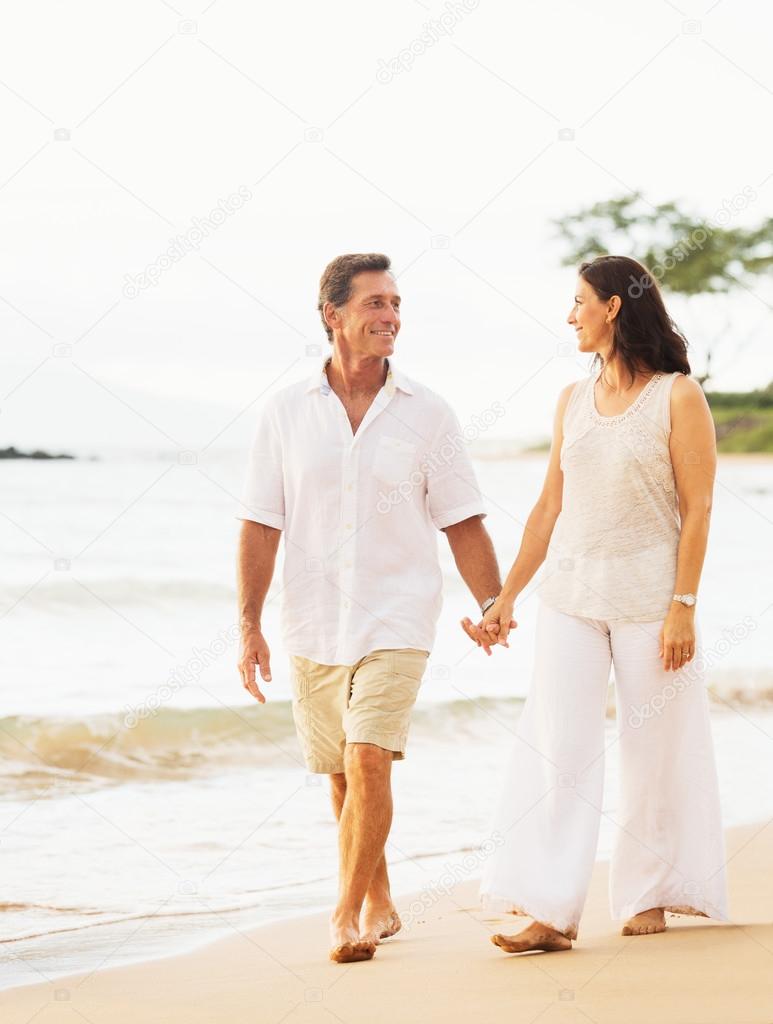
(394, 380)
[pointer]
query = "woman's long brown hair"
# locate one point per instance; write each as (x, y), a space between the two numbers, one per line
(645, 337)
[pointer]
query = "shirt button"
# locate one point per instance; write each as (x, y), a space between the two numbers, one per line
(348, 487)
(348, 526)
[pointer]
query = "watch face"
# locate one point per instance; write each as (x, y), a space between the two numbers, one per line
(689, 600)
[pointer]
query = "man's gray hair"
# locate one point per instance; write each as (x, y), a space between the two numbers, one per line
(335, 285)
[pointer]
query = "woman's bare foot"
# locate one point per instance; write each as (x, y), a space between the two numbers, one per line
(347, 946)
(380, 922)
(536, 936)
(646, 923)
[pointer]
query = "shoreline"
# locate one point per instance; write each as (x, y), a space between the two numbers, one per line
(158, 917)
(541, 454)
(442, 966)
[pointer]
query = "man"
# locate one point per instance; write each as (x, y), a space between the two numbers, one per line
(358, 466)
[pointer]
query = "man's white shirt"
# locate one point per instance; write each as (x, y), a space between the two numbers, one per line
(360, 513)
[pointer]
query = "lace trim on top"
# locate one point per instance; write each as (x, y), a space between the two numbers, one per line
(632, 409)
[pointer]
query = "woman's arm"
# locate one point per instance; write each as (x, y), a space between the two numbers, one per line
(534, 543)
(693, 447)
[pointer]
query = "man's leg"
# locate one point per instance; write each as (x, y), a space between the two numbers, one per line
(380, 918)
(384, 687)
(366, 817)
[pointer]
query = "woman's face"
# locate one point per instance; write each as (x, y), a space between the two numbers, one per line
(588, 317)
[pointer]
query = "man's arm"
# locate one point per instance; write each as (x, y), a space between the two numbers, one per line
(258, 546)
(475, 559)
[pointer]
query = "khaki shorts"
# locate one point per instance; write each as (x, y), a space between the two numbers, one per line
(368, 702)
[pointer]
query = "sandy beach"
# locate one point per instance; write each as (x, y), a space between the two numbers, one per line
(442, 967)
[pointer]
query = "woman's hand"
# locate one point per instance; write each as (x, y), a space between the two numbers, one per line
(495, 625)
(677, 637)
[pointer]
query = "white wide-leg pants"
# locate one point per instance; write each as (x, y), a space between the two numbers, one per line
(669, 848)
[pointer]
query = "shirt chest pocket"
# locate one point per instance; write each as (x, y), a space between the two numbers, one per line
(394, 460)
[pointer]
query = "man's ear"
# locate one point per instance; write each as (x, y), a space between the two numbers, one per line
(331, 315)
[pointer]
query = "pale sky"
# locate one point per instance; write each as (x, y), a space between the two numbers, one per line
(125, 128)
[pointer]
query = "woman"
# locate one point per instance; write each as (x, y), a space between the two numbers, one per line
(622, 523)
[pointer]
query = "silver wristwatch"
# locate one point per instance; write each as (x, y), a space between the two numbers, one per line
(687, 599)
(488, 603)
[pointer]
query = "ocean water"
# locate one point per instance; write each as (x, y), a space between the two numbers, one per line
(147, 803)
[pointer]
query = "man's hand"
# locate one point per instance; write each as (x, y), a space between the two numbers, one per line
(494, 627)
(476, 633)
(254, 652)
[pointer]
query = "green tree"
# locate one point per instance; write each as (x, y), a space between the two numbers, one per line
(687, 254)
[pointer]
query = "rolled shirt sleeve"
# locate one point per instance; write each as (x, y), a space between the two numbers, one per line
(453, 493)
(262, 498)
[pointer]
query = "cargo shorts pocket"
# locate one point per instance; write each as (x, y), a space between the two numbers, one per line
(386, 687)
(319, 699)
(301, 706)
(407, 671)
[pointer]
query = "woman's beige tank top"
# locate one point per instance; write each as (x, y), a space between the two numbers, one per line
(614, 546)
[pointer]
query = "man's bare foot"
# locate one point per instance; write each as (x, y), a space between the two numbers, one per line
(352, 952)
(392, 926)
(646, 923)
(380, 923)
(536, 936)
(347, 946)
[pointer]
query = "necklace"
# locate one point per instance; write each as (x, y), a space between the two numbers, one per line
(618, 391)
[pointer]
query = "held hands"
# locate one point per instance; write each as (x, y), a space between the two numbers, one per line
(494, 627)
(254, 652)
(677, 637)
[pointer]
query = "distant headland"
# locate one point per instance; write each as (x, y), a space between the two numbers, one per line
(14, 453)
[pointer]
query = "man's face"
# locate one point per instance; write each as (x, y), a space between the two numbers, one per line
(370, 320)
